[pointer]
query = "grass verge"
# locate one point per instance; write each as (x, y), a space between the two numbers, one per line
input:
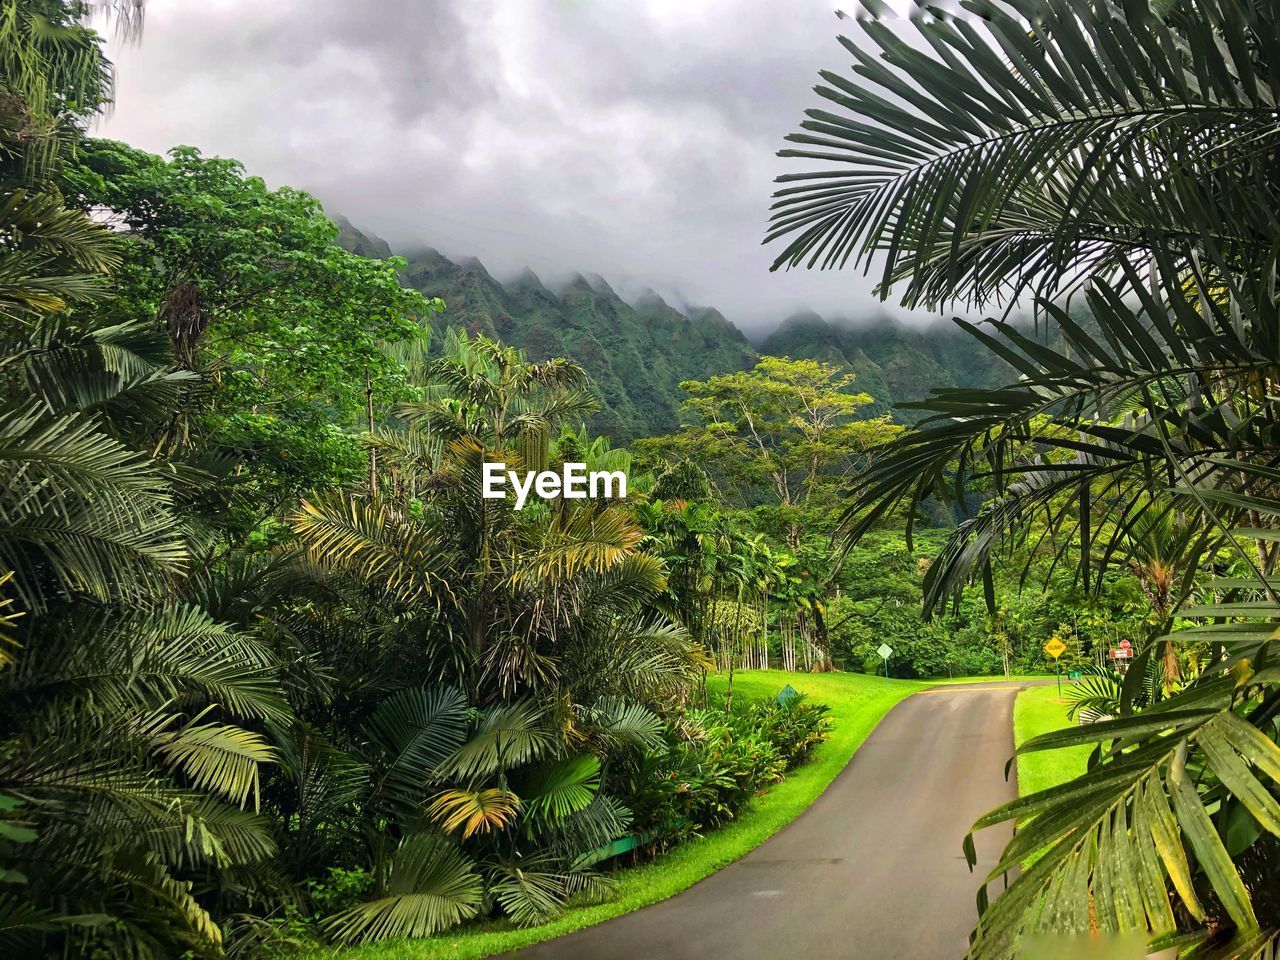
(857, 704)
(1039, 710)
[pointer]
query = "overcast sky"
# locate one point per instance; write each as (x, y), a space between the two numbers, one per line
(634, 139)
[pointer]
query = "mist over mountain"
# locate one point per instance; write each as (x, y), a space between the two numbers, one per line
(639, 349)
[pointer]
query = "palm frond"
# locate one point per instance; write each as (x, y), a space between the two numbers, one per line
(555, 791)
(622, 722)
(371, 541)
(1134, 823)
(533, 890)
(508, 735)
(1033, 145)
(432, 886)
(220, 758)
(587, 540)
(417, 732)
(474, 811)
(137, 663)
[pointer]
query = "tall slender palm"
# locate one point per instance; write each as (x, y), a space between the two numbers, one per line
(1128, 151)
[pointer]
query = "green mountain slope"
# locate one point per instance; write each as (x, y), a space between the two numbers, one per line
(893, 362)
(638, 353)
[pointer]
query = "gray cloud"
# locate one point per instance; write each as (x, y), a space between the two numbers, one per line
(634, 139)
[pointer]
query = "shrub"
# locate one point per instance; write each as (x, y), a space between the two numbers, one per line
(711, 765)
(794, 727)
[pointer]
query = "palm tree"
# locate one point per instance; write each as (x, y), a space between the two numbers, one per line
(128, 722)
(128, 755)
(1128, 152)
(492, 393)
(53, 77)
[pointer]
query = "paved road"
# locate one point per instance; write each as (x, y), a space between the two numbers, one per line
(872, 871)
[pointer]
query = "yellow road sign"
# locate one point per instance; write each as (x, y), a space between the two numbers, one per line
(1055, 648)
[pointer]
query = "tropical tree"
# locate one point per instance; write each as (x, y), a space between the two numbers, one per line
(1127, 151)
(128, 730)
(490, 392)
(783, 433)
(782, 438)
(297, 336)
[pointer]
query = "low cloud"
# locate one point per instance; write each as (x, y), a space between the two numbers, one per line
(631, 139)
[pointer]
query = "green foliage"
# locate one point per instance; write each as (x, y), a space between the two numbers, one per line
(794, 726)
(492, 394)
(782, 433)
(53, 78)
(257, 297)
(713, 765)
(704, 777)
(1045, 149)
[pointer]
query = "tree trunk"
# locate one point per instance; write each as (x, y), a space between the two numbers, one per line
(820, 640)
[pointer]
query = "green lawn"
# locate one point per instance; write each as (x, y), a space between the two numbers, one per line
(857, 703)
(1039, 710)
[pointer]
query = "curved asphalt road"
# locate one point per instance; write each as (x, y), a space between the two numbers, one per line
(872, 871)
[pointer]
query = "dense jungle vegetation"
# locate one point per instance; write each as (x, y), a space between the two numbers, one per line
(275, 673)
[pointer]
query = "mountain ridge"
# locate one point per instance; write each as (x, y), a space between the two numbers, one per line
(638, 352)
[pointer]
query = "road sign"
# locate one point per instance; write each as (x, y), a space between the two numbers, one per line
(1125, 645)
(885, 652)
(1124, 653)
(1056, 648)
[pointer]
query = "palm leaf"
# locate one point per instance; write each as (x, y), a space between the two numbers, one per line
(433, 886)
(416, 732)
(217, 757)
(372, 542)
(1032, 145)
(555, 791)
(508, 735)
(533, 890)
(474, 811)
